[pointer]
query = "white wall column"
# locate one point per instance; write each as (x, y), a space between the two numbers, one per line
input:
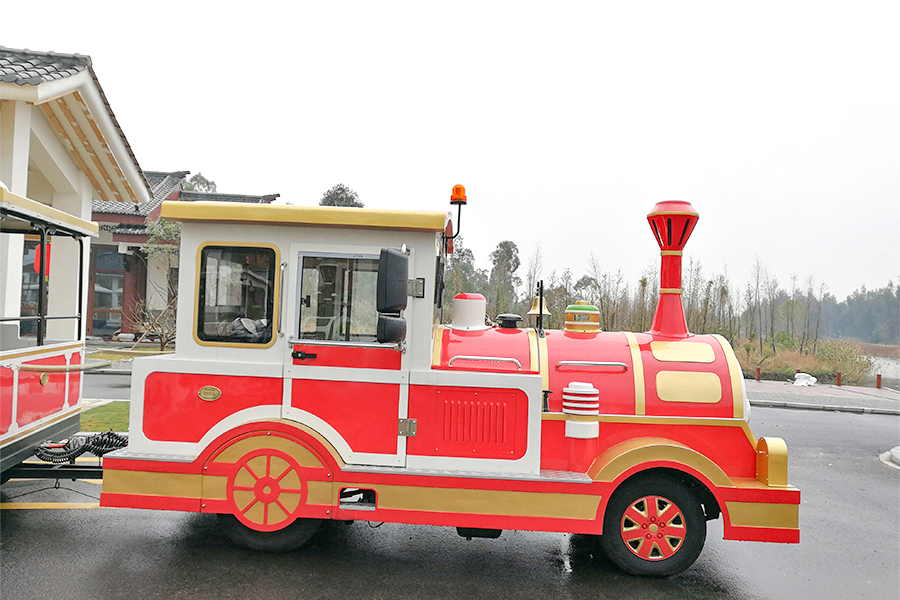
(64, 270)
(15, 139)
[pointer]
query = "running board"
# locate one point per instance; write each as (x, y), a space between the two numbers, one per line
(545, 475)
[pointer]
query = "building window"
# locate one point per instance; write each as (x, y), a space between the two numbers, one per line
(337, 299)
(236, 295)
(109, 280)
(30, 288)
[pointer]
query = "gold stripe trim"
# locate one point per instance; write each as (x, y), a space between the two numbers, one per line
(145, 483)
(544, 356)
(670, 290)
(671, 253)
(320, 492)
(622, 457)
(533, 352)
(303, 215)
(436, 345)
(737, 376)
(484, 502)
(640, 397)
(756, 514)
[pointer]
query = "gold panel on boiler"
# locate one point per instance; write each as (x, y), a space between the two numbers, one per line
(696, 388)
(695, 352)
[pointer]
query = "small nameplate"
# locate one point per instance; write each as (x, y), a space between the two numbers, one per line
(44, 379)
(209, 393)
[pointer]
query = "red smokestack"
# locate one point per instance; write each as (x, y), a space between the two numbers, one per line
(672, 222)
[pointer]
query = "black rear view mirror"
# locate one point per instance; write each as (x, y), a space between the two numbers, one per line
(393, 273)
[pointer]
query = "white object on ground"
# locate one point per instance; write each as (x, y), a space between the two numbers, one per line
(804, 379)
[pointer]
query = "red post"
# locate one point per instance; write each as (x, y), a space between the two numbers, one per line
(878, 381)
(757, 373)
(839, 379)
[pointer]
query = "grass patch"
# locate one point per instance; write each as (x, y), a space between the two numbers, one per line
(108, 416)
(830, 357)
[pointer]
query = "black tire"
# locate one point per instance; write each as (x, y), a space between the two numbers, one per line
(283, 540)
(654, 526)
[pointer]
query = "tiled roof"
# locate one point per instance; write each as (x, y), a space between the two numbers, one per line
(124, 228)
(30, 67)
(26, 67)
(208, 197)
(162, 184)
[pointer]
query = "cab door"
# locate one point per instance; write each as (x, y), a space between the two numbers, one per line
(342, 382)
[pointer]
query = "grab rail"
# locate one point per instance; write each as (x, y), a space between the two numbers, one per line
(485, 359)
(589, 363)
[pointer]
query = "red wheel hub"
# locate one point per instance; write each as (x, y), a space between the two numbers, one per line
(653, 528)
(266, 489)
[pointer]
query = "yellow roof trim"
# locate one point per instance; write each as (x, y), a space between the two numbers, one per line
(322, 216)
(21, 205)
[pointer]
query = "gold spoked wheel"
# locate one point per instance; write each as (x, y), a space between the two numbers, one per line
(266, 489)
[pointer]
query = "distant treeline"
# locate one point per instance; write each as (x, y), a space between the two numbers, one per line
(795, 313)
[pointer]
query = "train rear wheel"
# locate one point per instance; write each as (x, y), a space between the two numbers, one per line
(283, 540)
(266, 492)
(654, 526)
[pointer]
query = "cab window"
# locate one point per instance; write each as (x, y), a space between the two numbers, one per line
(337, 298)
(236, 295)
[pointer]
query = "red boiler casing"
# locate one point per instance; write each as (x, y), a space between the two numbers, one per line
(636, 374)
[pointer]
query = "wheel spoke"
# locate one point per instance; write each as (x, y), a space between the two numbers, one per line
(249, 506)
(635, 515)
(249, 469)
(288, 470)
(282, 506)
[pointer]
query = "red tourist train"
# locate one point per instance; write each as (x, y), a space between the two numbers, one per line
(313, 381)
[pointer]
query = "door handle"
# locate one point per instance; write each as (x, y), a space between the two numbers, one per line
(301, 355)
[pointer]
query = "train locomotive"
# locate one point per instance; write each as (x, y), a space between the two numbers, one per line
(313, 381)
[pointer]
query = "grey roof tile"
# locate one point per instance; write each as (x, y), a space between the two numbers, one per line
(27, 67)
(209, 197)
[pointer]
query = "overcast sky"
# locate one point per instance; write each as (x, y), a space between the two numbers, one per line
(566, 121)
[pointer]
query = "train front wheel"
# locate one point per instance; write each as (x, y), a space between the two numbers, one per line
(654, 526)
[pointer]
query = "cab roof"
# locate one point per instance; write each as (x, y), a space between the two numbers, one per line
(317, 216)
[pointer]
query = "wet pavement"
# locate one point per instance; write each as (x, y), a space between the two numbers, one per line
(849, 519)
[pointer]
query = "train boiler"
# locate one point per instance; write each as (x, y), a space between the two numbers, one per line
(313, 381)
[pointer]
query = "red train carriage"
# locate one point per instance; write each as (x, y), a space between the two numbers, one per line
(312, 382)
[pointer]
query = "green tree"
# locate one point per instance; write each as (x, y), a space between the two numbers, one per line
(461, 275)
(341, 195)
(504, 283)
(163, 238)
(199, 183)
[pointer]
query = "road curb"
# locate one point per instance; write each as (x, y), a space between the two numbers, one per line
(895, 456)
(850, 409)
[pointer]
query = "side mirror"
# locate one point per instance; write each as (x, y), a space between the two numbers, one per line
(390, 329)
(393, 273)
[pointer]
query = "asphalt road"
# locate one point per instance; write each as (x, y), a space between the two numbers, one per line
(850, 548)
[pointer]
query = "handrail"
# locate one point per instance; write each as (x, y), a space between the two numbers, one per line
(281, 298)
(589, 363)
(60, 368)
(485, 359)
